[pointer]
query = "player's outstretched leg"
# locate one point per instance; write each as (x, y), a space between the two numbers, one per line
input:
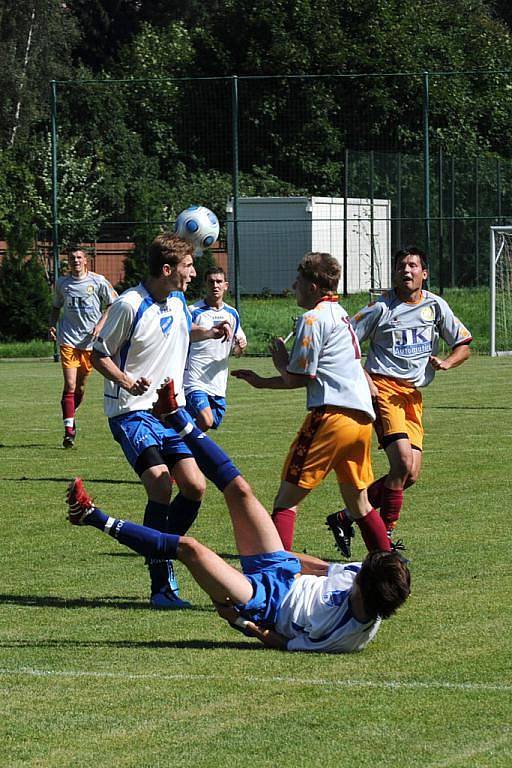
(146, 541)
(219, 579)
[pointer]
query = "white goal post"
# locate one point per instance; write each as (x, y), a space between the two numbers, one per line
(500, 331)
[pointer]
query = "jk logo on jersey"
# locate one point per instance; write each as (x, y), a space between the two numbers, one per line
(410, 342)
(165, 324)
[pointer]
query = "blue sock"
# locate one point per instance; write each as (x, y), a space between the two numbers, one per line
(210, 458)
(161, 571)
(156, 515)
(144, 541)
(182, 513)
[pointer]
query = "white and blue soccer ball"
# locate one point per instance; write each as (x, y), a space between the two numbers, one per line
(198, 226)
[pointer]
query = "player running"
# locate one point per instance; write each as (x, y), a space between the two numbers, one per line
(84, 297)
(295, 603)
(325, 360)
(404, 327)
(144, 341)
(206, 372)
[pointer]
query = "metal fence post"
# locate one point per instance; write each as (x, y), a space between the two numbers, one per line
(372, 222)
(55, 195)
(441, 220)
(477, 223)
(235, 184)
(426, 163)
(345, 225)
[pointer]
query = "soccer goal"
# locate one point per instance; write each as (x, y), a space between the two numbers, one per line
(500, 335)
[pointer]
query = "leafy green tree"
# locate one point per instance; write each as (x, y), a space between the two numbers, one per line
(25, 299)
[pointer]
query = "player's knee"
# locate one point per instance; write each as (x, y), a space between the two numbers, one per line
(188, 550)
(238, 489)
(204, 420)
(193, 487)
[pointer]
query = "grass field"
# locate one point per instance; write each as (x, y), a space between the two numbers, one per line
(92, 677)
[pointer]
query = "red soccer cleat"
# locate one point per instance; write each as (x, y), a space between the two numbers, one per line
(166, 402)
(79, 502)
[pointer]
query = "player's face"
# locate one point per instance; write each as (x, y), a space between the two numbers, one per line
(183, 273)
(216, 287)
(410, 274)
(303, 292)
(77, 263)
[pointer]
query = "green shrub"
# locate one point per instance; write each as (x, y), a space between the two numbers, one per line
(25, 299)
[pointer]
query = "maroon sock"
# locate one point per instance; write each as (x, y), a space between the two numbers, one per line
(78, 397)
(374, 492)
(68, 405)
(373, 532)
(392, 501)
(284, 521)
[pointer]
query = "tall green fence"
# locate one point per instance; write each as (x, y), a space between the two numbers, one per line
(289, 163)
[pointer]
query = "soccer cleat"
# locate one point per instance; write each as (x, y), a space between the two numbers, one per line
(79, 502)
(342, 529)
(167, 600)
(166, 402)
(68, 440)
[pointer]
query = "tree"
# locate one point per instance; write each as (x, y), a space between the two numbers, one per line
(25, 299)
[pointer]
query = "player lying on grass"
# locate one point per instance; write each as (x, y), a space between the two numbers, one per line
(288, 601)
(404, 327)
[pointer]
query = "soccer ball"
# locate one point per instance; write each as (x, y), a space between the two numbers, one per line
(197, 225)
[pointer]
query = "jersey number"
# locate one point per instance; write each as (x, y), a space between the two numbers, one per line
(355, 343)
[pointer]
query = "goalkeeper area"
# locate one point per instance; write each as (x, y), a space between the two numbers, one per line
(500, 331)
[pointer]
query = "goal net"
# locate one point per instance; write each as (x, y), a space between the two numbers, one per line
(500, 335)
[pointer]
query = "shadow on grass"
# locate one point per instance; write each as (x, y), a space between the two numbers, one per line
(200, 645)
(112, 601)
(67, 480)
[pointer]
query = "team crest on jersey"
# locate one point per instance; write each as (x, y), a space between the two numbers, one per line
(165, 324)
(427, 314)
(412, 342)
(90, 290)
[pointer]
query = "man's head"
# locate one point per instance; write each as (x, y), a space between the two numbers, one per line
(77, 261)
(216, 285)
(410, 269)
(171, 257)
(384, 582)
(318, 275)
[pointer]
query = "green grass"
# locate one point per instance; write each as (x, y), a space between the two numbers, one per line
(91, 676)
(263, 318)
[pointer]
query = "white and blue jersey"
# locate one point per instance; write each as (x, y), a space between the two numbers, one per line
(404, 335)
(147, 338)
(316, 614)
(84, 299)
(207, 363)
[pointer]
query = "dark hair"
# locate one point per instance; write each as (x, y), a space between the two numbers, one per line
(322, 269)
(385, 583)
(167, 248)
(74, 248)
(214, 270)
(411, 250)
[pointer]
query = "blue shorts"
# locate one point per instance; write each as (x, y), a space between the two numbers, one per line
(271, 575)
(138, 430)
(197, 401)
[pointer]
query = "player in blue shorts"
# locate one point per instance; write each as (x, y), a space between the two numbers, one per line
(206, 372)
(144, 341)
(292, 602)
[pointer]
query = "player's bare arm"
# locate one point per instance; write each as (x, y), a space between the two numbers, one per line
(221, 331)
(268, 637)
(106, 366)
(99, 325)
(52, 323)
(239, 346)
(272, 382)
(457, 356)
(373, 389)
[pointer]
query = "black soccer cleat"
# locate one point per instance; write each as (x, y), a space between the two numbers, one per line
(342, 529)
